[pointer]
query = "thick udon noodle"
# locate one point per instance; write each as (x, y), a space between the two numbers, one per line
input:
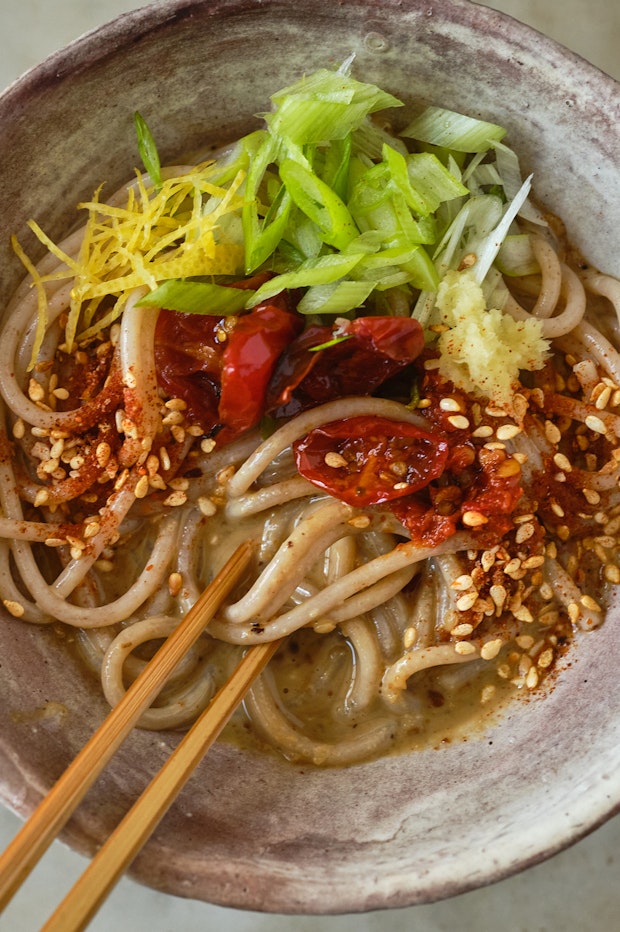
(365, 609)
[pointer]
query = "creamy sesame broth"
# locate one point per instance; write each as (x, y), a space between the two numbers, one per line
(402, 388)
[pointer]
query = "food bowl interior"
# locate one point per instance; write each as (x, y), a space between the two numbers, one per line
(254, 831)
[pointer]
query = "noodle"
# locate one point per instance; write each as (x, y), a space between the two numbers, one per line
(413, 508)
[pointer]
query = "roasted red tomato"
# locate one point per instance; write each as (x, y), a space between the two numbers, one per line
(368, 460)
(376, 348)
(250, 356)
(221, 371)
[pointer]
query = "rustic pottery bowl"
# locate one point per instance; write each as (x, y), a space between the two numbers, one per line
(251, 831)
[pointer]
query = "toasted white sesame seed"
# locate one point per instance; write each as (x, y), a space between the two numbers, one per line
(562, 462)
(552, 432)
(410, 637)
(485, 430)
(487, 693)
(207, 445)
(523, 614)
(462, 583)
(462, 631)
(175, 582)
(36, 391)
(450, 404)
(464, 647)
(335, 460)
(175, 499)
(91, 529)
(491, 649)
(14, 608)
(591, 604)
(507, 431)
(176, 404)
(524, 532)
(474, 519)
(359, 521)
(591, 496)
(531, 679)
(545, 658)
(142, 487)
(19, 429)
(207, 506)
(459, 421)
(466, 601)
(595, 423)
(178, 433)
(41, 498)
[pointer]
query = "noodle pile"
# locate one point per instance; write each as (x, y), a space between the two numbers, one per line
(118, 506)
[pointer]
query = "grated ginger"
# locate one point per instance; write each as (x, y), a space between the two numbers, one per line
(483, 351)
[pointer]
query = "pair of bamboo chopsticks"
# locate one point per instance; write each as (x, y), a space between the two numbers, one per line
(91, 889)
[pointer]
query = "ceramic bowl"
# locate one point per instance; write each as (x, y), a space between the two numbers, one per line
(251, 831)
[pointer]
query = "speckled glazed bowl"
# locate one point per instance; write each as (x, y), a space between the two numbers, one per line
(252, 831)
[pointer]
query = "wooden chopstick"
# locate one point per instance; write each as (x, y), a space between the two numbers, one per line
(92, 887)
(55, 809)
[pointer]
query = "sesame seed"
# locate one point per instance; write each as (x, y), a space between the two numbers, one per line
(207, 445)
(595, 423)
(507, 431)
(142, 487)
(359, 521)
(591, 604)
(533, 562)
(410, 637)
(55, 542)
(459, 421)
(574, 612)
(225, 475)
(557, 509)
(612, 573)
(523, 614)
(462, 583)
(174, 417)
(175, 499)
(334, 460)
(491, 649)
(524, 532)
(175, 581)
(509, 467)
(450, 404)
(164, 459)
(591, 496)
(498, 594)
(485, 430)
(531, 680)
(207, 506)
(474, 519)
(176, 404)
(103, 453)
(545, 659)
(14, 608)
(76, 553)
(178, 433)
(180, 484)
(61, 393)
(525, 641)
(603, 398)
(465, 647)
(562, 462)
(462, 631)
(487, 693)
(400, 485)
(36, 391)
(552, 432)
(325, 626)
(91, 529)
(487, 559)
(467, 601)
(41, 498)
(19, 429)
